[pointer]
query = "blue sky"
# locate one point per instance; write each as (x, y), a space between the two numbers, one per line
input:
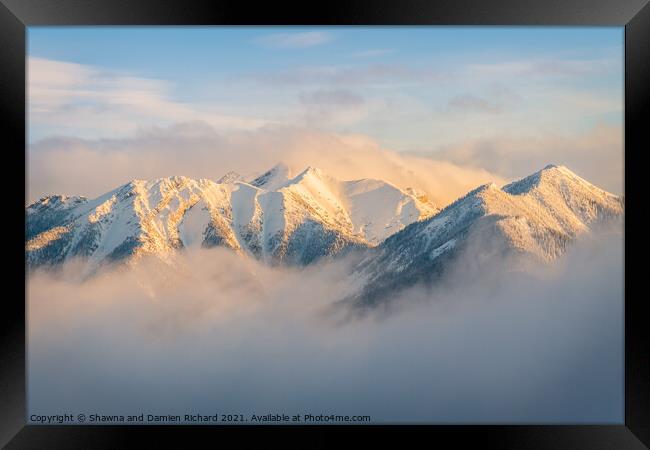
(191, 52)
(409, 88)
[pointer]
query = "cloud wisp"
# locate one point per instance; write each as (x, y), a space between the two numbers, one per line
(472, 103)
(407, 104)
(296, 39)
(372, 75)
(596, 154)
(329, 107)
(77, 99)
(372, 53)
(543, 68)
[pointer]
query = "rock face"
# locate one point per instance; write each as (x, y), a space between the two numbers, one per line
(533, 218)
(277, 218)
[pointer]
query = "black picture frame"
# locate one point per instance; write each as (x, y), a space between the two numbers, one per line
(16, 15)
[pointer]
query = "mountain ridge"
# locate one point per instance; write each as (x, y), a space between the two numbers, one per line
(533, 218)
(268, 221)
(297, 219)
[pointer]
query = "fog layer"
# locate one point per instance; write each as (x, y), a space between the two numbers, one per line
(227, 335)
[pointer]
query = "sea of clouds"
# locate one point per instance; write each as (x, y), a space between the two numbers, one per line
(228, 335)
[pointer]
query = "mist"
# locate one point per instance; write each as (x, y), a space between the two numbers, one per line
(225, 334)
(595, 154)
(90, 168)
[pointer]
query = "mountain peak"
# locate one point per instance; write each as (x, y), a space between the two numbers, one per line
(554, 168)
(273, 178)
(309, 170)
(298, 219)
(178, 179)
(487, 187)
(550, 175)
(56, 202)
(532, 219)
(230, 178)
(280, 167)
(56, 199)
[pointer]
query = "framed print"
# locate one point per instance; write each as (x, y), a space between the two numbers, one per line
(359, 221)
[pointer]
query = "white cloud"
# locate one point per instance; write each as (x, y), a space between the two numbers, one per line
(296, 40)
(333, 107)
(70, 98)
(497, 99)
(92, 167)
(405, 106)
(334, 97)
(472, 103)
(372, 53)
(543, 67)
(373, 75)
(596, 154)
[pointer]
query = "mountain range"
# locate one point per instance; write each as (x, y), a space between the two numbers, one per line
(277, 217)
(296, 219)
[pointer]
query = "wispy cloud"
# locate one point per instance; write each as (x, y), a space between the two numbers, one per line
(596, 154)
(65, 96)
(373, 75)
(407, 105)
(295, 40)
(372, 53)
(330, 107)
(543, 67)
(497, 100)
(334, 97)
(472, 103)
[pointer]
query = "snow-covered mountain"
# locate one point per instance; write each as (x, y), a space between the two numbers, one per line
(530, 219)
(276, 217)
(282, 217)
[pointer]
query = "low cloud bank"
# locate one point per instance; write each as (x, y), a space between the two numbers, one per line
(228, 335)
(84, 167)
(596, 155)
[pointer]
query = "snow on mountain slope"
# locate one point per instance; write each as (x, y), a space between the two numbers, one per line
(140, 217)
(533, 218)
(368, 209)
(281, 218)
(48, 210)
(379, 209)
(313, 214)
(275, 218)
(274, 178)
